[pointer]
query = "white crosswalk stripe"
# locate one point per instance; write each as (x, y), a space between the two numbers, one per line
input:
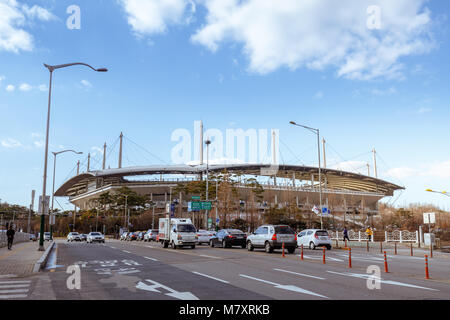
(14, 289)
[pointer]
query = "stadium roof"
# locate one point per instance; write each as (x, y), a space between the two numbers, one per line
(335, 179)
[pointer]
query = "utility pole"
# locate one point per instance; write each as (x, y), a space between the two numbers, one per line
(375, 163)
(89, 162)
(208, 142)
(78, 167)
(33, 192)
(120, 150)
(104, 157)
(324, 154)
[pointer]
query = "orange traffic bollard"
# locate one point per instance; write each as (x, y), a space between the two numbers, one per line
(412, 250)
(345, 242)
(324, 255)
(395, 248)
(367, 246)
(427, 274)
(283, 249)
(381, 247)
(431, 250)
(385, 263)
(301, 255)
(349, 257)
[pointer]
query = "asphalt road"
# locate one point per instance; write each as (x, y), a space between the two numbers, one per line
(141, 270)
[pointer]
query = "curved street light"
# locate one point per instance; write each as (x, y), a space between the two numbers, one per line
(317, 132)
(53, 189)
(51, 69)
(445, 193)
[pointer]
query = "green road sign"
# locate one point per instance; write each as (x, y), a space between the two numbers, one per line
(195, 197)
(206, 205)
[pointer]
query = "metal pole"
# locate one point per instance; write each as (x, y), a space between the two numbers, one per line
(207, 181)
(320, 179)
(53, 196)
(44, 185)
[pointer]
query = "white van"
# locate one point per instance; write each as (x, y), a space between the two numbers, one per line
(177, 233)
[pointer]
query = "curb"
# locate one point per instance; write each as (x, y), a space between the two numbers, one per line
(43, 259)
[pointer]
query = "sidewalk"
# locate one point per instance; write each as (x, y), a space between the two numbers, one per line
(20, 260)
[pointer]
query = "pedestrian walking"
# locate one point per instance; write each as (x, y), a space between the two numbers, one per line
(369, 233)
(346, 234)
(10, 235)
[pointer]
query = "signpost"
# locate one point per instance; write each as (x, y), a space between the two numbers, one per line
(47, 202)
(429, 217)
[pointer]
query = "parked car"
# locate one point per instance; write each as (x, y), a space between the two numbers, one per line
(95, 237)
(140, 235)
(151, 235)
(204, 236)
(272, 237)
(313, 238)
(46, 236)
(227, 238)
(72, 236)
(132, 236)
(123, 236)
(83, 237)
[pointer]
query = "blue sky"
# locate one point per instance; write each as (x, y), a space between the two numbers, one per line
(231, 64)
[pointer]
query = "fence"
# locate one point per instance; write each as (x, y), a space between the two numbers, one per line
(394, 236)
(18, 237)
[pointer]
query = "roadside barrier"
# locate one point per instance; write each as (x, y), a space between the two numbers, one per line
(324, 255)
(385, 263)
(427, 274)
(349, 257)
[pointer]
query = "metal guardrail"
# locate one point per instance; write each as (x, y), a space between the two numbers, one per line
(18, 237)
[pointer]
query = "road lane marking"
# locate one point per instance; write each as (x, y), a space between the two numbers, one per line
(205, 275)
(299, 274)
(204, 255)
(285, 287)
(14, 291)
(113, 247)
(13, 296)
(16, 282)
(126, 251)
(14, 286)
(153, 259)
(172, 293)
(367, 276)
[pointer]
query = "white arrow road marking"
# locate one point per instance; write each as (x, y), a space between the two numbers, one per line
(126, 251)
(362, 258)
(205, 275)
(172, 293)
(395, 283)
(299, 274)
(285, 287)
(153, 259)
(320, 258)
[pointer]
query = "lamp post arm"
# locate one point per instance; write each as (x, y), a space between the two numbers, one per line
(52, 68)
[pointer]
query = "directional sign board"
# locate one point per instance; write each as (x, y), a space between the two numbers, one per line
(429, 217)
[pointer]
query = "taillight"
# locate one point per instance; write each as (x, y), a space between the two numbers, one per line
(316, 236)
(274, 237)
(295, 237)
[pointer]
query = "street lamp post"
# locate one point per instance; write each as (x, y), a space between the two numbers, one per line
(53, 188)
(207, 142)
(317, 132)
(44, 186)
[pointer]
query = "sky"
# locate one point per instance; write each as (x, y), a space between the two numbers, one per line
(368, 74)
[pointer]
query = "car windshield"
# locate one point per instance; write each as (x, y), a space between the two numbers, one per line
(95, 234)
(322, 233)
(235, 232)
(186, 228)
(74, 233)
(284, 230)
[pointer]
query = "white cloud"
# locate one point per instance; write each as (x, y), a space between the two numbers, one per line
(39, 143)
(10, 143)
(319, 34)
(25, 87)
(424, 110)
(10, 88)
(385, 92)
(43, 87)
(436, 170)
(402, 172)
(14, 17)
(86, 83)
(153, 17)
(2, 78)
(97, 150)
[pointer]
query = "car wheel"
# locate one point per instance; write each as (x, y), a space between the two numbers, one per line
(193, 246)
(250, 247)
(243, 246)
(211, 244)
(291, 250)
(165, 244)
(174, 246)
(328, 247)
(312, 246)
(268, 247)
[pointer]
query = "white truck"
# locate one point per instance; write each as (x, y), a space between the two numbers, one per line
(177, 233)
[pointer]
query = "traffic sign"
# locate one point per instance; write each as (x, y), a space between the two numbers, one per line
(195, 197)
(429, 217)
(46, 206)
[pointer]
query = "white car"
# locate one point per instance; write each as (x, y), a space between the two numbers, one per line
(72, 236)
(312, 238)
(204, 236)
(150, 235)
(95, 237)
